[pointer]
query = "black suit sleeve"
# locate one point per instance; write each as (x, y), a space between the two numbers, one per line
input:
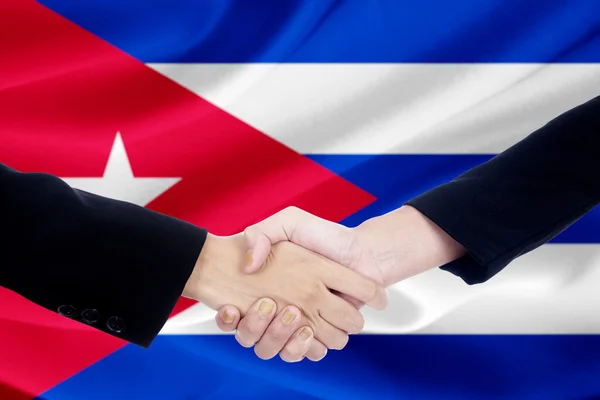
(521, 198)
(113, 265)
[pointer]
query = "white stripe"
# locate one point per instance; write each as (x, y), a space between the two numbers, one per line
(392, 108)
(551, 290)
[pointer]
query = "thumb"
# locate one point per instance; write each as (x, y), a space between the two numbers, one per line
(259, 237)
(258, 247)
(292, 224)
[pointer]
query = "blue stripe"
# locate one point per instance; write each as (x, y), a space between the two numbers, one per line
(352, 31)
(394, 179)
(371, 367)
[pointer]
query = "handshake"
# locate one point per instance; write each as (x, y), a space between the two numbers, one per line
(293, 284)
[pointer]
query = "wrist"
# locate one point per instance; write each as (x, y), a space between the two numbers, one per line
(404, 243)
(216, 264)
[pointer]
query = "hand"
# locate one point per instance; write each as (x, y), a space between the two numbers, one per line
(271, 332)
(291, 276)
(386, 249)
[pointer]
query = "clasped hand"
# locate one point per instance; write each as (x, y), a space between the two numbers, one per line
(293, 279)
(384, 250)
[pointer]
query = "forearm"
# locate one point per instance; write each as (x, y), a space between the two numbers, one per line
(523, 197)
(404, 243)
(63, 247)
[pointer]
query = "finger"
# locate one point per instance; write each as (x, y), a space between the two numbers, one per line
(228, 318)
(259, 237)
(252, 327)
(296, 348)
(354, 285)
(258, 248)
(317, 351)
(355, 303)
(341, 314)
(331, 336)
(278, 333)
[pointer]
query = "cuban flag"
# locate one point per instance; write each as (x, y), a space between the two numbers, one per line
(224, 112)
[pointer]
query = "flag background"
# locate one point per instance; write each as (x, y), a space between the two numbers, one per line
(392, 96)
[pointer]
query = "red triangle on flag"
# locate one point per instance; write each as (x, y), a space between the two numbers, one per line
(64, 94)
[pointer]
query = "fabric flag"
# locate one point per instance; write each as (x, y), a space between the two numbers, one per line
(224, 112)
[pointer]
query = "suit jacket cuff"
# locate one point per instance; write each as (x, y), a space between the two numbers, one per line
(482, 260)
(155, 254)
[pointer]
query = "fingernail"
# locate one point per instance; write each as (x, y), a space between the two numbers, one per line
(248, 259)
(305, 334)
(265, 308)
(288, 316)
(227, 317)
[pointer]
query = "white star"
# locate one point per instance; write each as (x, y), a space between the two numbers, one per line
(118, 181)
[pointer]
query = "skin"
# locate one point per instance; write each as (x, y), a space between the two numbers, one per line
(386, 249)
(290, 276)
